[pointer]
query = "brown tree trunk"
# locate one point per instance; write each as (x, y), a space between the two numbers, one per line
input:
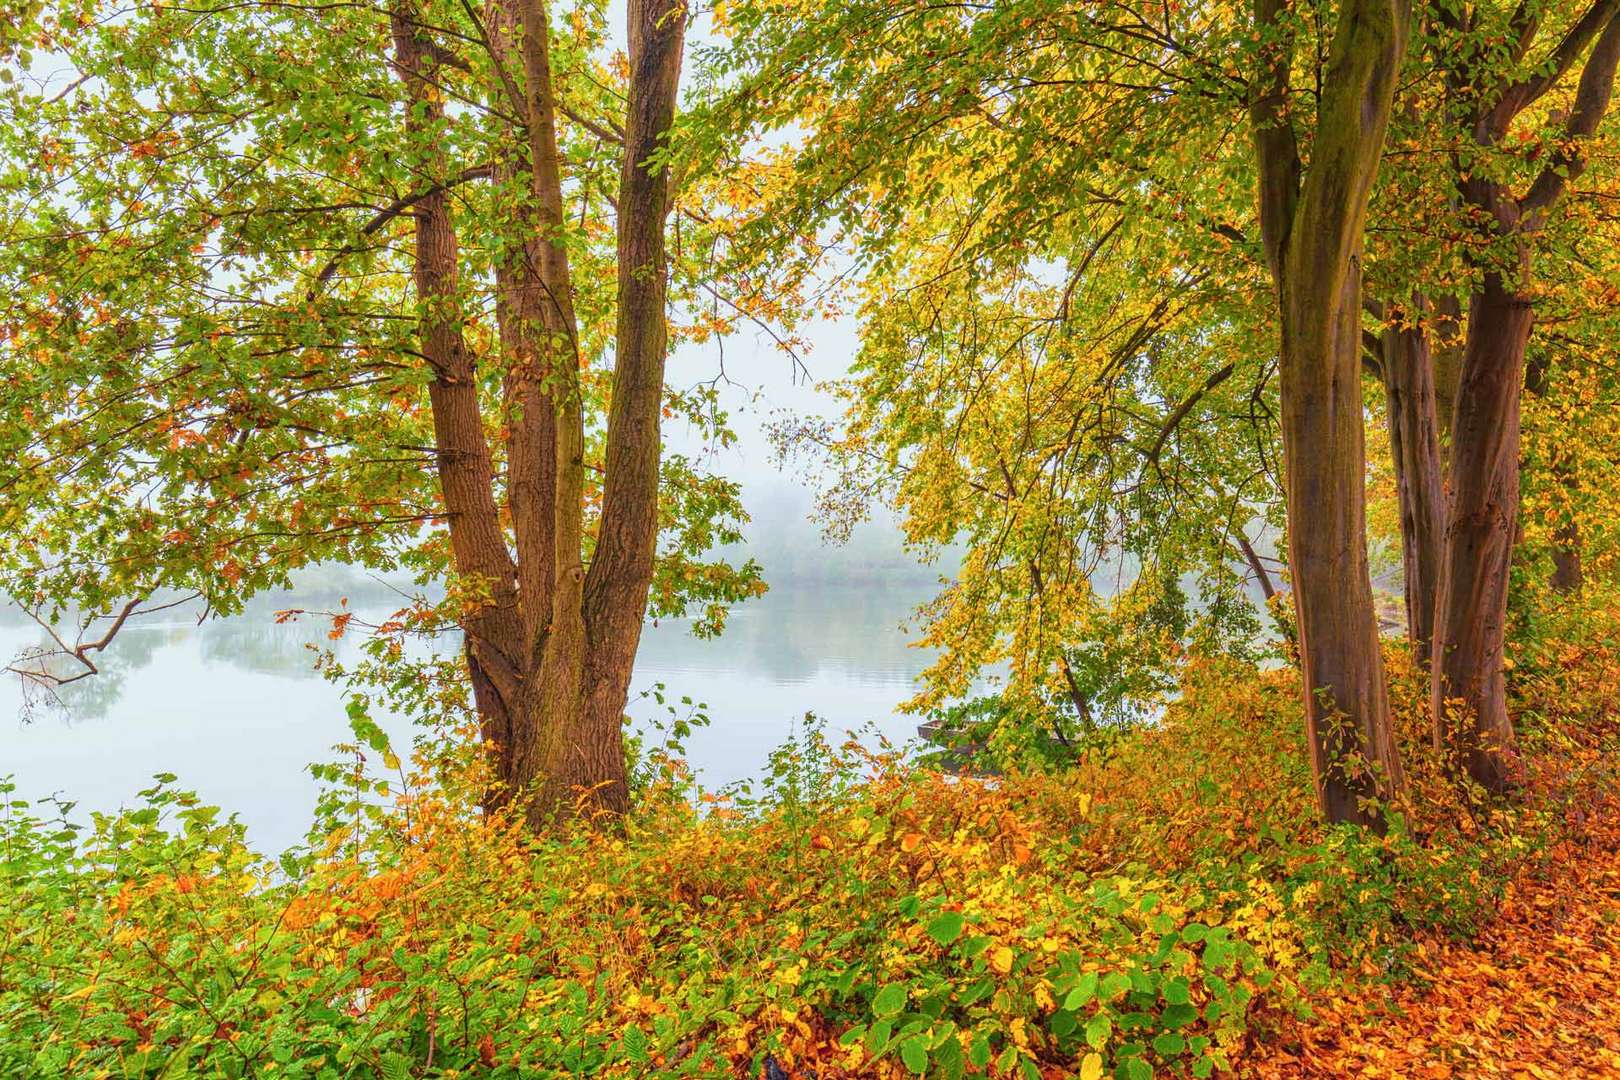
(550, 651)
(1353, 748)
(550, 528)
(1568, 575)
(1446, 348)
(1414, 444)
(1311, 223)
(534, 309)
(589, 752)
(1469, 689)
(466, 472)
(1468, 685)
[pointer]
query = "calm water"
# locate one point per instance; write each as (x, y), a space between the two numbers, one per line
(235, 709)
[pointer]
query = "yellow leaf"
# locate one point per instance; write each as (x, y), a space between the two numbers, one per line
(1091, 1067)
(1002, 959)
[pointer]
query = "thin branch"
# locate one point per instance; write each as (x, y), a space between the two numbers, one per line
(1175, 418)
(1592, 97)
(389, 213)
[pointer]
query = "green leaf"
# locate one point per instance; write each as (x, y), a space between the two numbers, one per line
(1098, 1029)
(1169, 1044)
(889, 1001)
(635, 1043)
(946, 927)
(1178, 1015)
(948, 1061)
(1083, 991)
(915, 1055)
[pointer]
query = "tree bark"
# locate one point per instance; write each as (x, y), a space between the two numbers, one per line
(1414, 443)
(1311, 224)
(551, 649)
(1568, 575)
(1468, 687)
(585, 750)
(1468, 684)
(466, 471)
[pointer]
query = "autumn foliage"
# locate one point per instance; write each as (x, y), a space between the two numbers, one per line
(1172, 905)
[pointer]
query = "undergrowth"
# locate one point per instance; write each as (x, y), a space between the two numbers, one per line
(1145, 911)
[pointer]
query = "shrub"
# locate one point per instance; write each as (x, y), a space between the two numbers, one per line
(1134, 914)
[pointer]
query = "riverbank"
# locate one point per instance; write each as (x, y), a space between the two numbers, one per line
(1169, 906)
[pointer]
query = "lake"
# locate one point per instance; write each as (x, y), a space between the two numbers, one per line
(236, 710)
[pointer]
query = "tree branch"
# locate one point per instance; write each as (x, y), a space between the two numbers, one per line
(1520, 95)
(79, 651)
(1186, 407)
(389, 213)
(1592, 96)
(1276, 145)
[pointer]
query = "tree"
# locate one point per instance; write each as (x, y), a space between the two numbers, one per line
(1471, 604)
(1404, 361)
(1039, 138)
(202, 334)
(1055, 365)
(1311, 221)
(1505, 137)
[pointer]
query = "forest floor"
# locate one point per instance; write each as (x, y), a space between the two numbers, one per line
(1533, 996)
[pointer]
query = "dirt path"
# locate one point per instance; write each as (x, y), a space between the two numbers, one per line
(1537, 995)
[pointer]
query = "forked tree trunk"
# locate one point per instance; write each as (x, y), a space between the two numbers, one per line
(1414, 444)
(550, 649)
(1468, 685)
(1311, 222)
(587, 750)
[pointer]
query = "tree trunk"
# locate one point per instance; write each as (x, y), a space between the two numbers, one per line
(1469, 689)
(466, 471)
(1468, 685)
(550, 650)
(1414, 444)
(1568, 575)
(1446, 349)
(1352, 743)
(585, 750)
(1311, 224)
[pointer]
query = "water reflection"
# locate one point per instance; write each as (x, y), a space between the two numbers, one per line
(236, 709)
(795, 633)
